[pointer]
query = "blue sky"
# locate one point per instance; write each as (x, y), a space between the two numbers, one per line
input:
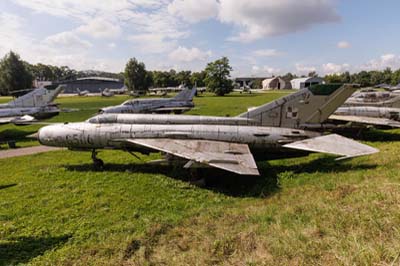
(260, 37)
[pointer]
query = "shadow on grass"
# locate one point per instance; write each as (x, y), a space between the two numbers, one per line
(370, 134)
(228, 183)
(7, 186)
(207, 178)
(21, 250)
(15, 134)
(322, 165)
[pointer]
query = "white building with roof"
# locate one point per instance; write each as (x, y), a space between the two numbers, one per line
(276, 83)
(301, 83)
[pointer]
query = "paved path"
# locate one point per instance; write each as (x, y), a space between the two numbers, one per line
(25, 151)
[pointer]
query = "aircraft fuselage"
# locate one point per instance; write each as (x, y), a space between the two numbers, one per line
(264, 142)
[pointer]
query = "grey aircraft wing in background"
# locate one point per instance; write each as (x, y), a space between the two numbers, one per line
(38, 104)
(369, 115)
(180, 103)
(225, 143)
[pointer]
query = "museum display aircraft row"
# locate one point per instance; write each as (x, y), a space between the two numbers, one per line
(267, 132)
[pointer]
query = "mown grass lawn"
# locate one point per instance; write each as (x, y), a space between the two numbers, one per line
(55, 209)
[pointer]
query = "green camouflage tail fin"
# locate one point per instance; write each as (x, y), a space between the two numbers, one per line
(308, 106)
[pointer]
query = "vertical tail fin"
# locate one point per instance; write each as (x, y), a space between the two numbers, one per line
(37, 98)
(308, 106)
(186, 94)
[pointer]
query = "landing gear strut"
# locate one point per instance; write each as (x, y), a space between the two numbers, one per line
(98, 163)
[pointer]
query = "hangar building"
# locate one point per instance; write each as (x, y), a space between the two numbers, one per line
(276, 83)
(302, 83)
(92, 84)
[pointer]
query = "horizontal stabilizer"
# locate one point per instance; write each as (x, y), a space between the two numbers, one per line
(376, 121)
(6, 120)
(22, 120)
(333, 144)
(233, 157)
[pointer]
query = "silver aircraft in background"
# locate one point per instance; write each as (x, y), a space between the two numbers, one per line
(368, 115)
(37, 104)
(107, 93)
(232, 144)
(82, 93)
(180, 103)
(370, 107)
(374, 98)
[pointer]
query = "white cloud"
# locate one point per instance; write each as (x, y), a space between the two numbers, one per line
(152, 43)
(265, 71)
(101, 27)
(386, 60)
(78, 9)
(142, 19)
(67, 40)
(267, 53)
(304, 69)
(65, 48)
(343, 45)
(262, 18)
(331, 68)
(183, 54)
(193, 10)
(149, 26)
(10, 30)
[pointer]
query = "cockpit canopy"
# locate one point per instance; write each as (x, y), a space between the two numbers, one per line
(130, 102)
(103, 119)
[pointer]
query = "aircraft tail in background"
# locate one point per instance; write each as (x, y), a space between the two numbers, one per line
(186, 94)
(36, 98)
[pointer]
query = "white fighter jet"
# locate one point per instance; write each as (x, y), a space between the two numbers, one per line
(180, 103)
(38, 104)
(232, 144)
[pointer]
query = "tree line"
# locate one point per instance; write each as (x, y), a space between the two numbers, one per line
(366, 78)
(16, 74)
(215, 77)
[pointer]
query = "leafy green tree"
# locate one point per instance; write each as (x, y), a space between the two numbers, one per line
(183, 77)
(376, 77)
(363, 78)
(313, 74)
(197, 78)
(14, 74)
(387, 75)
(395, 77)
(338, 78)
(289, 76)
(217, 76)
(171, 75)
(257, 84)
(160, 79)
(136, 76)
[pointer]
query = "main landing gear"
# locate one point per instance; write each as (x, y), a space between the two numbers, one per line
(98, 163)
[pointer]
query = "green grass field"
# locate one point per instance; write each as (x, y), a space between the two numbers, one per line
(56, 209)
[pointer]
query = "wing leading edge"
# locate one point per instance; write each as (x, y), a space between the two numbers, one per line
(231, 157)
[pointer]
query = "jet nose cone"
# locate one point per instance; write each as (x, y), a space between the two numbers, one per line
(45, 134)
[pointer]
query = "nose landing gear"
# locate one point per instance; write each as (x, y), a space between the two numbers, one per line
(98, 163)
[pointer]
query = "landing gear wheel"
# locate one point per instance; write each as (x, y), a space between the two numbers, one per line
(98, 163)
